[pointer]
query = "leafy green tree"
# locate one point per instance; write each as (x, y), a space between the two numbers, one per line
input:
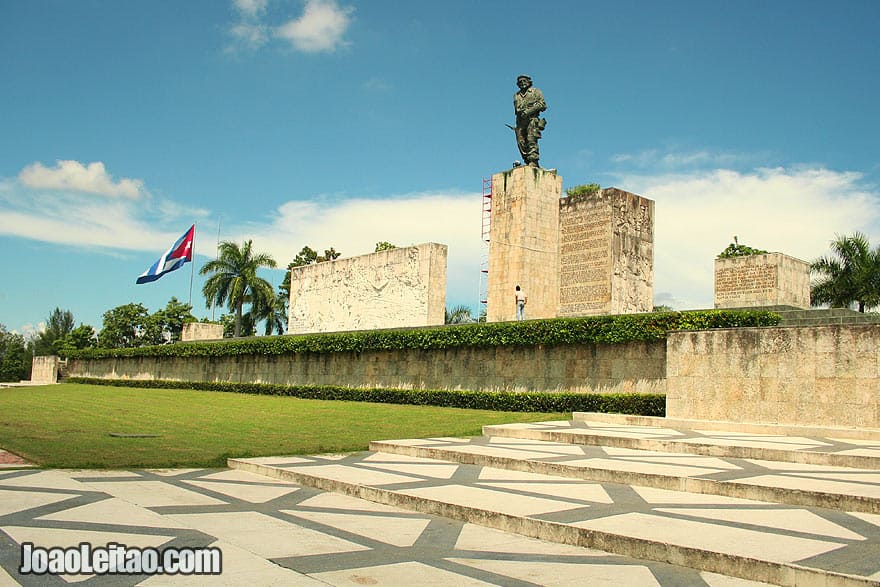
(273, 314)
(125, 326)
(384, 246)
(850, 275)
(15, 360)
(58, 325)
(458, 315)
(81, 337)
(234, 280)
(171, 319)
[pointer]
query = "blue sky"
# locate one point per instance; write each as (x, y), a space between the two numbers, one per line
(344, 123)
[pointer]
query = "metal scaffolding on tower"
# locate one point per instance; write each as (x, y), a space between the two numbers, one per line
(484, 253)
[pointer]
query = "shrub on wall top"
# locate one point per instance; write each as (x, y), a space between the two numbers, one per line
(588, 330)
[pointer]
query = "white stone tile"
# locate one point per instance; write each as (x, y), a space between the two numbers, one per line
(265, 535)
(814, 484)
(712, 537)
(861, 452)
(347, 503)
(715, 580)
(240, 567)
(17, 501)
(669, 458)
(276, 460)
(870, 518)
(114, 511)
(582, 491)
(555, 574)
(490, 499)
(522, 452)
(412, 465)
(94, 474)
(153, 493)
(245, 476)
(649, 430)
(781, 443)
(409, 573)
(397, 531)
(350, 474)
(44, 480)
(482, 539)
(667, 497)
(494, 474)
(783, 519)
(643, 467)
(171, 472)
(245, 491)
(66, 538)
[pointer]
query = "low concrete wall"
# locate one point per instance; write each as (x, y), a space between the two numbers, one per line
(637, 367)
(817, 375)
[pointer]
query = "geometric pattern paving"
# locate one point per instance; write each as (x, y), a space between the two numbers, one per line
(811, 449)
(274, 532)
(580, 459)
(817, 538)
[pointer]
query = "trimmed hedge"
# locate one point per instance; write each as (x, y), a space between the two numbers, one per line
(588, 330)
(637, 404)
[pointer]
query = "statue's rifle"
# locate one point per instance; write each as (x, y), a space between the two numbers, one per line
(513, 128)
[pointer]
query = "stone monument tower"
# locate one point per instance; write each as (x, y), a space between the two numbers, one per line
(524, 243)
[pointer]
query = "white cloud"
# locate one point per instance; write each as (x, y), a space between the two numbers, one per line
(321, 27)
(73, 175)
(57, 206)
(250, 8)
(793, 211)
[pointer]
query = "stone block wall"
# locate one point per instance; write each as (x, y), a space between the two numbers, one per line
(606, 254)
(818, 375)
(637, 367)
(396, 288)
(201, 331)
(771, 279)
(44, 369)
(524, 243)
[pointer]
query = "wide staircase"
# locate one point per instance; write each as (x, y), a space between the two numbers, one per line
(767, 504)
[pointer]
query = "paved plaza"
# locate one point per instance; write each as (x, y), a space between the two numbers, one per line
(507, 508)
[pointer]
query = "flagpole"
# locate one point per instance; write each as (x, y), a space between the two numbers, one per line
(216, 255)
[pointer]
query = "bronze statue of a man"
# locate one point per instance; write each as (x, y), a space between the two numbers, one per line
(528, 104)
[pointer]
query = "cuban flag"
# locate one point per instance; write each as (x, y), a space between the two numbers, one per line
(180, 252)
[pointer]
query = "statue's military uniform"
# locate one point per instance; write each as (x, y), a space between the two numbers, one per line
(528, 106)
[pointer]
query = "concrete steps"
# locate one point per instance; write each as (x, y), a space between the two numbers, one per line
(784, 522)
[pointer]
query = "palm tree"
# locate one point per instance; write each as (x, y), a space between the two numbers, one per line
(851, 275)
(274, 313)
(234, 281)
(458, 315)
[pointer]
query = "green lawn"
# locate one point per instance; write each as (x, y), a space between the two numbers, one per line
(70, 425)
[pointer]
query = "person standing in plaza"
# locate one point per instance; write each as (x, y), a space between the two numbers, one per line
(521, 299)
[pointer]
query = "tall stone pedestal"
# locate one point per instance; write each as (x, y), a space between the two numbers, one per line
(606, 255)
(524, 243)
